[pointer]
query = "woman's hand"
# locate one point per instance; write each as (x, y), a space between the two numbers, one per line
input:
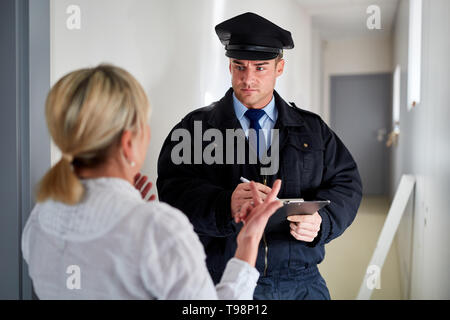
(243, 194)
(139, 181)
(255, 217)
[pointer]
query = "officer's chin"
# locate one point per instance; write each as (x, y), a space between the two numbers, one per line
(247, 96)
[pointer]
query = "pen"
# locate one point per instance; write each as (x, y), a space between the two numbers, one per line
(247, 181)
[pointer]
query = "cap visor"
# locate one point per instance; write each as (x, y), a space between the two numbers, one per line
(250, 55)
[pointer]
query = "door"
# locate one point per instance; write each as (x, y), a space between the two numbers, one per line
(360, 114)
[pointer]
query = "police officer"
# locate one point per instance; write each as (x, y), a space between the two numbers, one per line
(313, 164)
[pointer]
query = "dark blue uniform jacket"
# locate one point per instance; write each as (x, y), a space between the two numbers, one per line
(314, 164)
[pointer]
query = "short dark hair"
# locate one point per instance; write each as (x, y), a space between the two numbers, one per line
(279, 57)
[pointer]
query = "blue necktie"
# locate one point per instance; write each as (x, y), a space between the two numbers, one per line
(254, 115)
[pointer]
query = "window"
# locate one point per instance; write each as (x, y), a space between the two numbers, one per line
(414, 53)
(396, 99)
(393, 136)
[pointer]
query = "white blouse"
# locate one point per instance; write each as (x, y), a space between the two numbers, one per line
(115, 245)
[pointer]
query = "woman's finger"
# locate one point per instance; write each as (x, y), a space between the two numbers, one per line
(275, 189)
(244, 212)
(141, 182)
(256, 198)
(146, 189)
(265, 211)
(272, 207)
(238, 215)
(137, 177)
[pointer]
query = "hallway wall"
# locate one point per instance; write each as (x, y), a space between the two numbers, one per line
(350, 56)
(423, 150)
(172, 49)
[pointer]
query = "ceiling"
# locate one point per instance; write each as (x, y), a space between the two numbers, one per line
(336, 19)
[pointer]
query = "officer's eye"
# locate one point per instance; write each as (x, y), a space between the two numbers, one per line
(259, 68)
(240, 68)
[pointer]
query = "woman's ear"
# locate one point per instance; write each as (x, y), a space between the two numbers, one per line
(126, 144)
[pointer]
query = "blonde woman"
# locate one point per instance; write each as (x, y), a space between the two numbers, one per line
(92, 235)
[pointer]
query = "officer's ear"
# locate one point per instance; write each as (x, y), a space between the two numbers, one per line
(279, 67)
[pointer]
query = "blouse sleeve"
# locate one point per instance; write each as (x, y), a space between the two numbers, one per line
(173, 263)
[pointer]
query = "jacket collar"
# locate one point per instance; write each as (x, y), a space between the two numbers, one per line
(287, 115)
(224, 117)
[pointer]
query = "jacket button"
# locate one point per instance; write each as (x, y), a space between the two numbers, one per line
(306, 145)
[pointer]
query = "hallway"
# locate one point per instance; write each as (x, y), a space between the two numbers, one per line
(347, 257)
(376, 72)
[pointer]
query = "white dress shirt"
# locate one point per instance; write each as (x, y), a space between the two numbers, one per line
(115, 245)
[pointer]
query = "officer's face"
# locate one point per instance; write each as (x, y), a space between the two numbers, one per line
(253, 81)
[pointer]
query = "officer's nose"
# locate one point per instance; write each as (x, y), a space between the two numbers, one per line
(247, 77)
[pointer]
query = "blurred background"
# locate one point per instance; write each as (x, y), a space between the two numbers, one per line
(376, 71)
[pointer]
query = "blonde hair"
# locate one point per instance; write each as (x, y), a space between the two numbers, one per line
(87, 111)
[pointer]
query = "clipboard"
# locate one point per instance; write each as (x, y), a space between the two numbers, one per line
(301, 207)
(279, 221)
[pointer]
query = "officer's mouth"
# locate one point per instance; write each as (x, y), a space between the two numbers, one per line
(248, 90)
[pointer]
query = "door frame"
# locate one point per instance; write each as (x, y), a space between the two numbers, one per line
(25, 65)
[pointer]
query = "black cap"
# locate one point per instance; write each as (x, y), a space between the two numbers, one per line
(251, 37)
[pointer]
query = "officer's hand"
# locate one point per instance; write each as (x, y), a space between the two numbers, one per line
(139, 181)
(255, 221)
(243, 194)
(305, 227)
